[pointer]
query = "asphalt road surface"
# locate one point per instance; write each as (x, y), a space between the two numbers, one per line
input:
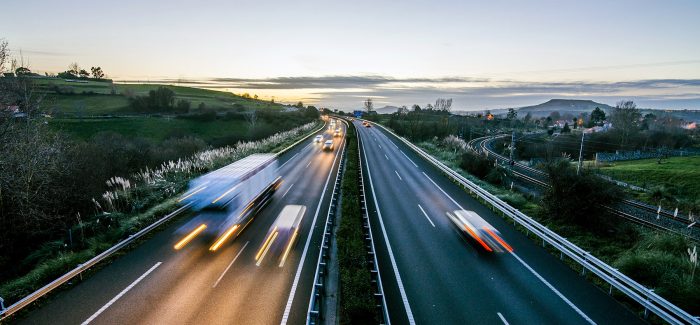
(432, 275)
(155, 284)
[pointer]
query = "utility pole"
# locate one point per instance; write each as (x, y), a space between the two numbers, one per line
(512, 146)
(580, 154)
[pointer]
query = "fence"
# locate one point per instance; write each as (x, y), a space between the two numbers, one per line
(638, 154)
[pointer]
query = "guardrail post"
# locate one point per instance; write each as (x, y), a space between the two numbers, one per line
(2, 305)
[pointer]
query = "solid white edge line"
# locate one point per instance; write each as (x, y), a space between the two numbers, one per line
(503, 319)
(287, 191)
(404, 298)
(426, 215)
(397, 174)
(288, 307)
(123, 292)
(307, 165)
(409, 159)
(229, 265)
(551, 287)
(387, 157)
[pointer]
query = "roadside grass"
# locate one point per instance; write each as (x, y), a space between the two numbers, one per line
(678, 177)
(655, 259)
(357, 305)
(143, 204)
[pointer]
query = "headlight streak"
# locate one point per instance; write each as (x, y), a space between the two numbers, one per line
(266, 246)
(223, 238)
(289, 248)
(190, 236)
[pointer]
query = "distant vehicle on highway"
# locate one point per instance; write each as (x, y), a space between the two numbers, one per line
(476, 228)
(366, 124)
(328, 145)
(337, 133)
(283, 233)
(229, 197)
(318, 138)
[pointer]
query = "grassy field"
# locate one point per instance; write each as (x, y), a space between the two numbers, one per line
(98, 98)
(156, 128)
(679, 176)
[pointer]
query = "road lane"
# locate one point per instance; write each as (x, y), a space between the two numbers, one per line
(194, 285)
(447, 279)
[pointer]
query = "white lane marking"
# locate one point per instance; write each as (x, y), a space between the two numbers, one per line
(404, 298)
(229, 265)
(394, 144)
(288, 160)
(443, 192)
(397, 174)
(287, 191)
(288, 307)
(551, 287)
(307, 165)
(387, 157)
(380, 146)
(409, 159)
(101, 310)
(503, 319)
(426, 215)
(567, 301)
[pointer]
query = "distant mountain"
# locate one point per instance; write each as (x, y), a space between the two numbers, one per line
(387, 110)
(563, 106)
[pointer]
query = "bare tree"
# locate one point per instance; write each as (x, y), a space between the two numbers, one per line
(369, 106)
(403, 110)
(4, 54)
(442, 104)
(252, 119)
(625, 119)
(74, 69)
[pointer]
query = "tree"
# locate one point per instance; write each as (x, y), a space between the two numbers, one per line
(97, 73)
(416, 108)
(22, 71)
(300, 104)
(429, 107)
(574, 121)
(444, 105)
(597, 116)
(369, 106)
(555, 115)
(183, 106)
(73, 69)
(512, 114)
(83, 74)
(403, 110)
(252, 119)
(625, 120)
(566, 128)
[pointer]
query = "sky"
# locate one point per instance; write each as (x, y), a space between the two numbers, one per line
(484, 55)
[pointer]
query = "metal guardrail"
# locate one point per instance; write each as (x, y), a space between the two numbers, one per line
(5, 313)
(634, 290)
(369, 242)
(314, 314)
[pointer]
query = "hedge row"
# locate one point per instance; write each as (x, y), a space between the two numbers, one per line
(357, 305)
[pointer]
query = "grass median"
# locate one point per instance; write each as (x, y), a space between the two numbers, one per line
(357, 305)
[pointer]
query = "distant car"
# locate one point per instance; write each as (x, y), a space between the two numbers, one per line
(367, 125)
(336, 133)
(476, 228)
(328, 145)
(318, 138)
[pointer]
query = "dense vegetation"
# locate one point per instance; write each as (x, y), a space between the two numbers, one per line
(357, 305)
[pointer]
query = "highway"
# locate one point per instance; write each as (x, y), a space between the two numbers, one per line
(432, 275)
(156, 284)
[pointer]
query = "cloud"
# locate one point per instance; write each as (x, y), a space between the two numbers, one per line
(468, 92)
